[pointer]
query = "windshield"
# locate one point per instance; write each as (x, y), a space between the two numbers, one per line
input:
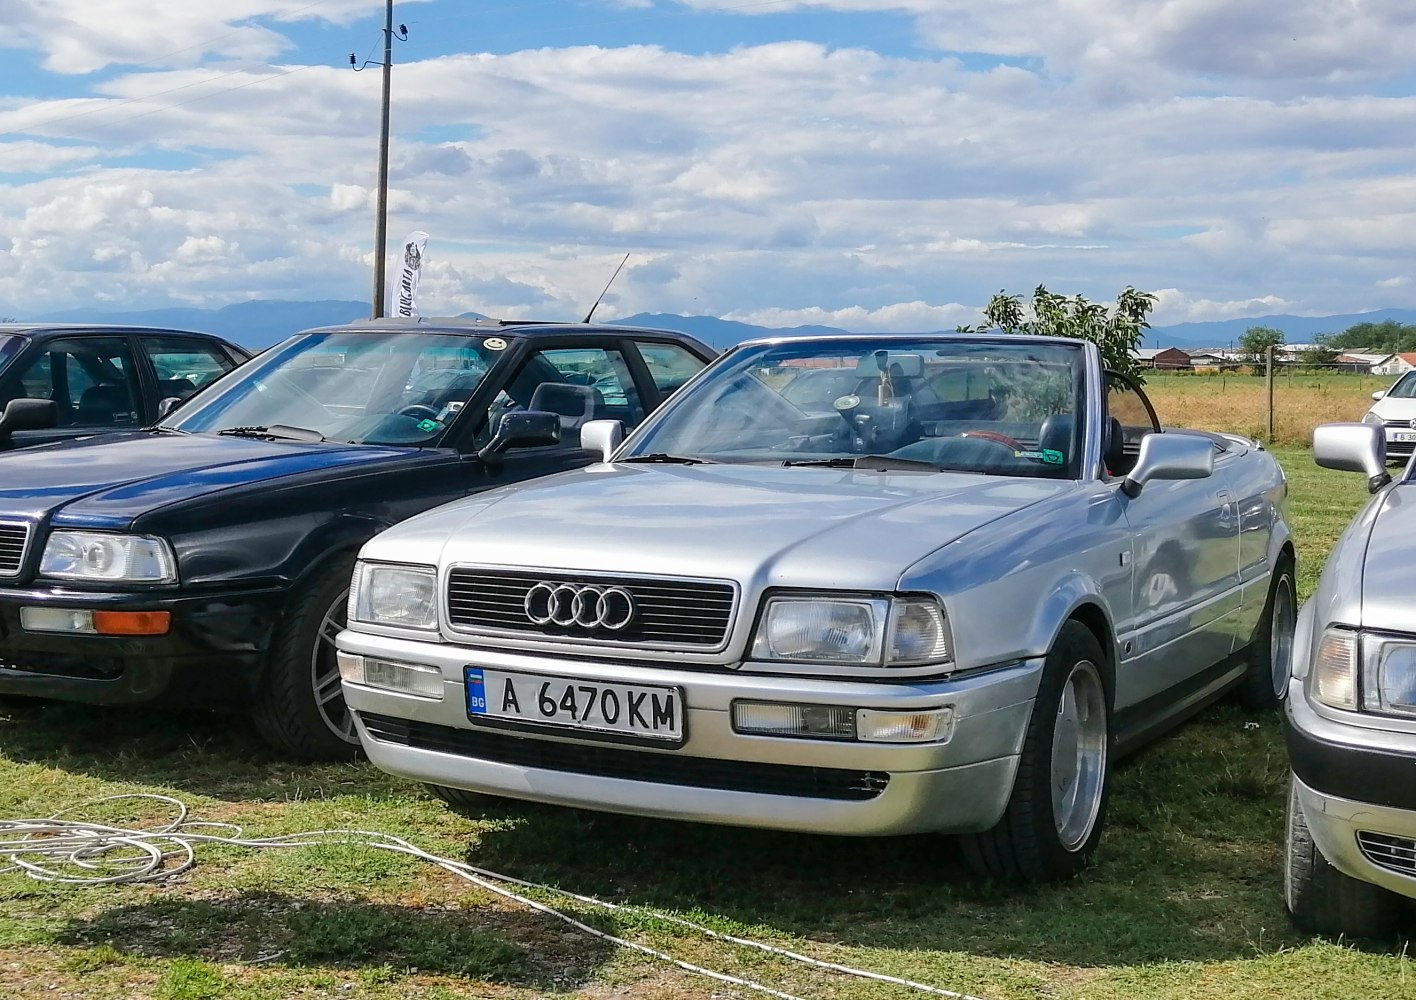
(1404, 389)
(947, 402)
(9, 346)
(361, 388)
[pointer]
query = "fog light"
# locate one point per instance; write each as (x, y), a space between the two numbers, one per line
(935, 726)
(814, 721)
(56, 620)
(405, 678)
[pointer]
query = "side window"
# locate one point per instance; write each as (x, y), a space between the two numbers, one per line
(1130, 417)
(183, 366)
(90, 380)
(670, 365)
(579, 384)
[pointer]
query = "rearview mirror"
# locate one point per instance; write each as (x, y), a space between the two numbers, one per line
(603, 436)
(1172, 455)
(166, 405)
(522, 429)
(1353, 447)
(27, 415)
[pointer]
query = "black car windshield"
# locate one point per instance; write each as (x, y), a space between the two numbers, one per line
(1001, 406)
(362, 388)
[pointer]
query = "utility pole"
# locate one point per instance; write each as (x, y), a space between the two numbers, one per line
(381, 222)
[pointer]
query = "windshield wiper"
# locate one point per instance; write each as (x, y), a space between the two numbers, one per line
(282, 432)
(872, 463)
(659, 458)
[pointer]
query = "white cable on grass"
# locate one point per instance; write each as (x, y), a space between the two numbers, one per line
(51, 848)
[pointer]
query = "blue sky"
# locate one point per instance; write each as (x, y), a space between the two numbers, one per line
(864, 163)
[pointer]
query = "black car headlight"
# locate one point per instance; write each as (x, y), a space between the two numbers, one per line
(104, 556)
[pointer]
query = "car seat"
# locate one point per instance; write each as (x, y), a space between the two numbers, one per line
(575, 404)
(105, 404)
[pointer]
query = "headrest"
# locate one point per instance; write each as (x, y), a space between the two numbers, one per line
(899, 365)
(568, 400)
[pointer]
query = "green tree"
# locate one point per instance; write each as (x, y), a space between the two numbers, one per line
(1255, 344)
(1386, 337)
(1116, 332)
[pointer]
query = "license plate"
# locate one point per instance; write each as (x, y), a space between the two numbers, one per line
(638, 710)
(1403, 435)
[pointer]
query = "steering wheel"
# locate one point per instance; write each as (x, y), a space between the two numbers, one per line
(1013, 444)
(418, 411)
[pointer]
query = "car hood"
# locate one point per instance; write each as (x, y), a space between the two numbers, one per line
(758, 525)
(1388, 583)
(1390, 408)
(107, 482)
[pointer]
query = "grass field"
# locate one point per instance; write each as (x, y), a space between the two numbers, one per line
(1184, 901)
(1239, 403)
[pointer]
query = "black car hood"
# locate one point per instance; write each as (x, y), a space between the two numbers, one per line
(107, 482)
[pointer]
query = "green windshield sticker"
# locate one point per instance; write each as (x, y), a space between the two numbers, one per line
(1048, 455)
(428, 426)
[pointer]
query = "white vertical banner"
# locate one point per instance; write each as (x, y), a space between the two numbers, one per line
(413, 248)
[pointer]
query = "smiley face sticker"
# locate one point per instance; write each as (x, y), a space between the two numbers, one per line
(494, 344)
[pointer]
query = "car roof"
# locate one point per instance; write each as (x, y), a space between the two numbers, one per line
(477, 327)
(101, 329)
(825, 338)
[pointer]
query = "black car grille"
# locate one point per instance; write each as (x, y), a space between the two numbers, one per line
(12, 547)
(1400, 425)
(632, 765)
(668, 613)
(1395, 854)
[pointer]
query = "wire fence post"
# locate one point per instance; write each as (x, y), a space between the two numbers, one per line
(1269, 377)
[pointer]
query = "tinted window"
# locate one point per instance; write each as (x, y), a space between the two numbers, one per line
(1405, 388)
(184, 366)
(9, 347)
(579, 384)
(90, 380)
(670, 365)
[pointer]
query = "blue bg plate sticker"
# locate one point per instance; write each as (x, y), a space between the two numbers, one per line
(476, 692)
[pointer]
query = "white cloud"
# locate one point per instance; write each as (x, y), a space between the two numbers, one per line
(1399, 281)
(1175, 306)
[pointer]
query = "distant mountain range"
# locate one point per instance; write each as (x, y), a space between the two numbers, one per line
(261, 323)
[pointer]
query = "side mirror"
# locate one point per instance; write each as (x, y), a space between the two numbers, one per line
(1353, 448)
(1379, 394)
(522, 429)
(603, 436)
(27, 415)
(167, 404)
(1172, 455)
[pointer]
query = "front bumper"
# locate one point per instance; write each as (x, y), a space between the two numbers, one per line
(211, 655)
(718, 775)
(1357, 789)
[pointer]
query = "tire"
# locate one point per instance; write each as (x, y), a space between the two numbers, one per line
(461, 798)
(1321, 899)
(1044, 837)
(300, 708)
(1268, 658)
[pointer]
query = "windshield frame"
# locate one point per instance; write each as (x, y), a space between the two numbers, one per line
(1085, 465)
(234, 384)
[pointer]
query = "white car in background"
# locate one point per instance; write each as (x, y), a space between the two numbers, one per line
(1395, 409)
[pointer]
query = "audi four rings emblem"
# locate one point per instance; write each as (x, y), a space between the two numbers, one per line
(567, 604)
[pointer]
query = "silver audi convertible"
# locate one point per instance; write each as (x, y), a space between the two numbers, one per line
(940, 590)
(1351, 845)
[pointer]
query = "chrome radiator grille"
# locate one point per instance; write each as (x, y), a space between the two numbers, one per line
(12, 547)
(660, 614)
(1396, 854)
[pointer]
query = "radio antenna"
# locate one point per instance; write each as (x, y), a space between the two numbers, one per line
(606, 289)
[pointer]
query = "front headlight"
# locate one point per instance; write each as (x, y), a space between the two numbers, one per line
(1388, 675)
(95, 555)
(1372, 418)
(400, 596)
(855, 631)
